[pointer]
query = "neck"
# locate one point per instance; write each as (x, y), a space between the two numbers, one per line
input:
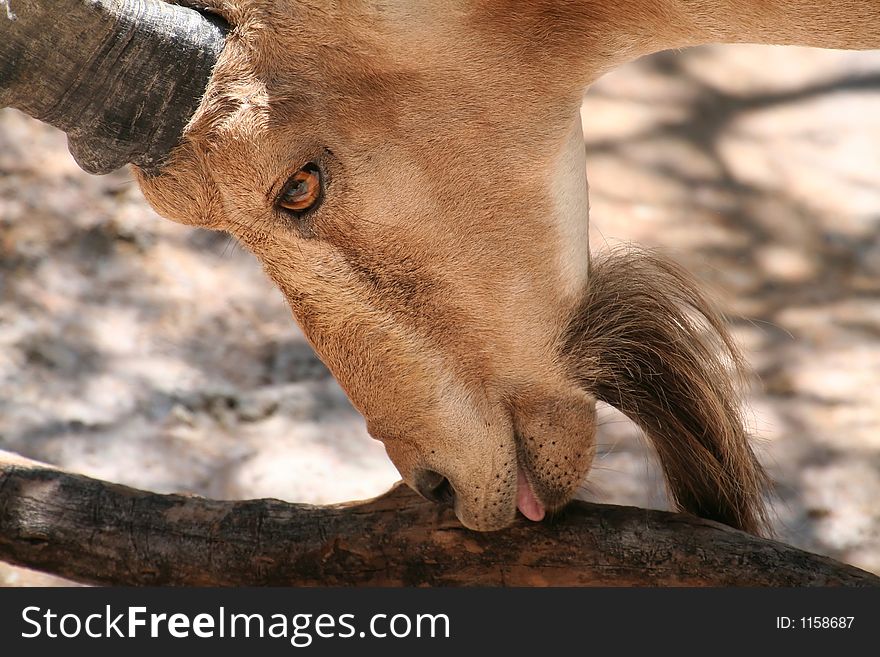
(594, 36)
(848, 24)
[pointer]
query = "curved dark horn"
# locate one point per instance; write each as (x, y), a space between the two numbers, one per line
(121, 77)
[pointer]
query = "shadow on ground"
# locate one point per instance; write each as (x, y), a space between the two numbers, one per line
(159, 356)
(760, 169)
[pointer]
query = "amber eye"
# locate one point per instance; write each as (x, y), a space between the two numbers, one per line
(303, 191)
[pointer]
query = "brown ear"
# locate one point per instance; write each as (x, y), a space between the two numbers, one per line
(648, 342)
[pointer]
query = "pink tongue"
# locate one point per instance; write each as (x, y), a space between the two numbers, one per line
(526, 501)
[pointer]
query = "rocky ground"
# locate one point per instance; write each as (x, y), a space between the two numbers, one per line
(159, 356)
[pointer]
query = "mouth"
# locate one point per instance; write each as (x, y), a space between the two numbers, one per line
(439, 490)
(526, 502)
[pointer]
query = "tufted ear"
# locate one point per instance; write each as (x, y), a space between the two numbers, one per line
(648, 342)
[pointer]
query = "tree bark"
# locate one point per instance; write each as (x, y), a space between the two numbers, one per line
(98, 532)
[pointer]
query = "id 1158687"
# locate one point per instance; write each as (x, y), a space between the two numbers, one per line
(814, 622)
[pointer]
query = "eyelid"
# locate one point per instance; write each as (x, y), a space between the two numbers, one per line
(290, 182)
(321, 157)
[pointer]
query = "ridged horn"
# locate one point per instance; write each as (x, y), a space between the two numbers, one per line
(121, 77)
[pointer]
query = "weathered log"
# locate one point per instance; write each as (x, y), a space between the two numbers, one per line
(97, 532)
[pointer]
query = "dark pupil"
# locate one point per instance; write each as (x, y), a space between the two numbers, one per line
(298, 189)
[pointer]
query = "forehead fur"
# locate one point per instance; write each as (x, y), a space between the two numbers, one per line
(362, 75)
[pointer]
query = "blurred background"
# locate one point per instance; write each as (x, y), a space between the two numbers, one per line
(158, 356)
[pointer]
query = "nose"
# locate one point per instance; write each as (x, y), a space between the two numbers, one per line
(435, 487)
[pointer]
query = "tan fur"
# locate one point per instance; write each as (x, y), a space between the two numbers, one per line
(439, 278)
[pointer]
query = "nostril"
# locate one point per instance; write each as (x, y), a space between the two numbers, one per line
(444, 493)
(435, 487)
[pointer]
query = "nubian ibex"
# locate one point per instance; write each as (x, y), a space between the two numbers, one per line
(411, 175)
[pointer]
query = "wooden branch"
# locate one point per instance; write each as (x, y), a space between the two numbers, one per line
(98, 532)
